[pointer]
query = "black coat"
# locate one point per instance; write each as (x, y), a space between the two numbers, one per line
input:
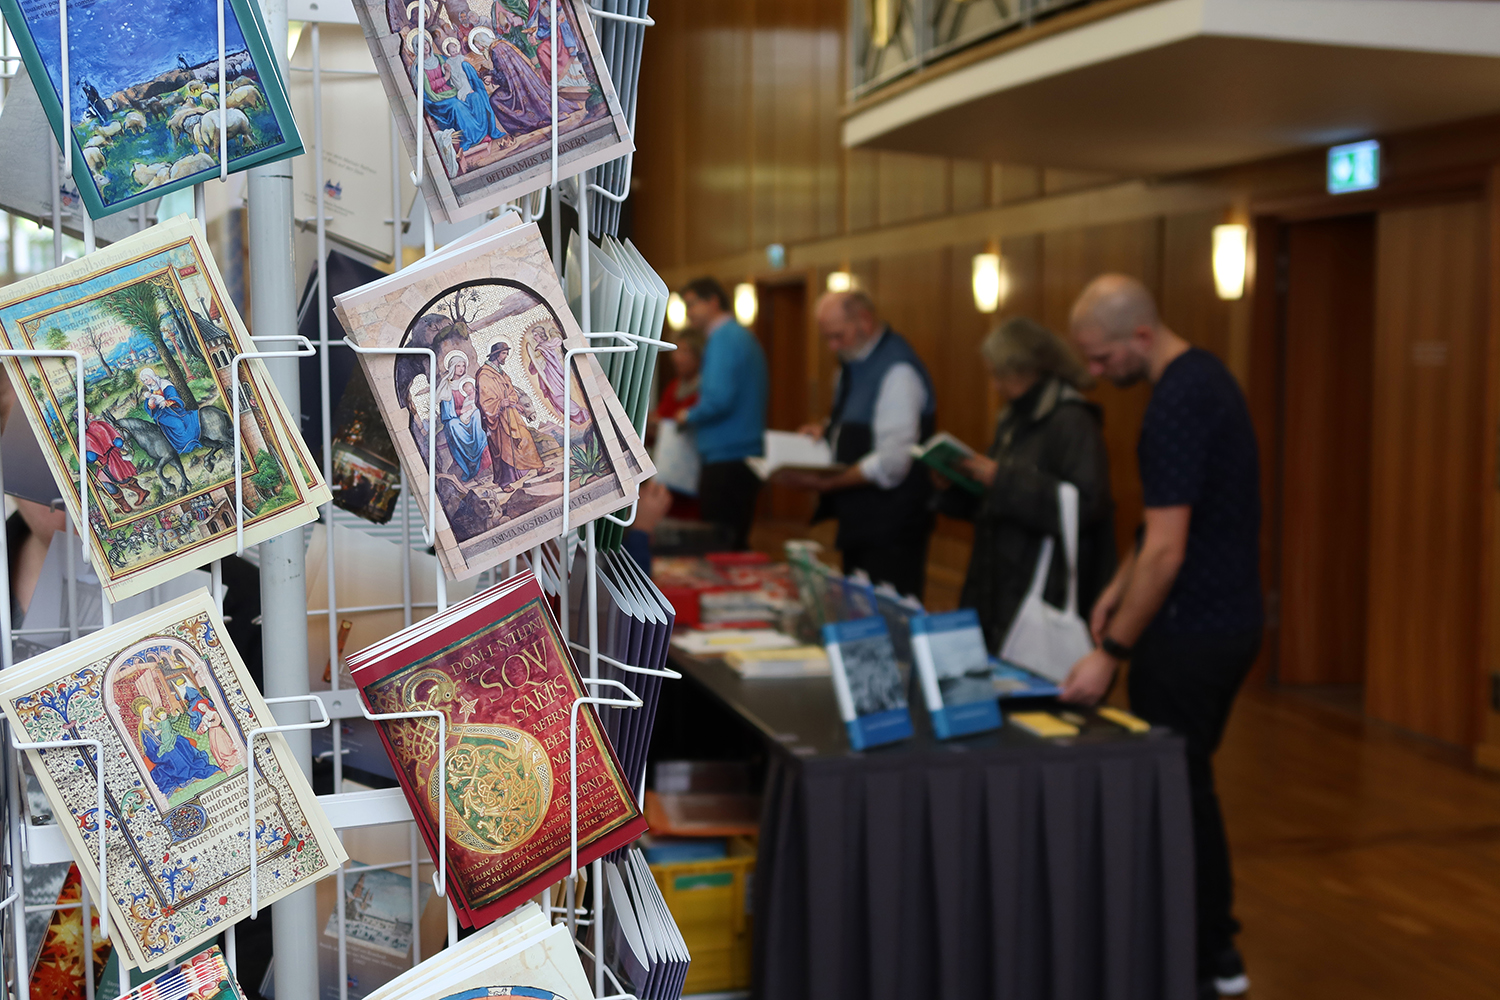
(1050, 434)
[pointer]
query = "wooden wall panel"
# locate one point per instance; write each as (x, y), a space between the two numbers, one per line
(1190, 305)
(717, 124)
(1426, 487)
(1070, 260)
(912, 187)
(1325, 519)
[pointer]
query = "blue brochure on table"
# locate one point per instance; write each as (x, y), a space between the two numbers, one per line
(954, 667)
(1012, 681)
(866, 682)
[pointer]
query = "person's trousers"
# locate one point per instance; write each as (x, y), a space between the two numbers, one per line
(1188, 682)
(902, 563)
(726, 495)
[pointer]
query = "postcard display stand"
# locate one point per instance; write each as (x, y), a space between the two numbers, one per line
(26, 847)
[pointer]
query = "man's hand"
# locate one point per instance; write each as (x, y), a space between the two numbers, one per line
(811, 430)
(1090, 678)
(655, 501)
(1104, 609)
(980, 468)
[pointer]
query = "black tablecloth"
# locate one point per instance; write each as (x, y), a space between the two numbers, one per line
(995, 866)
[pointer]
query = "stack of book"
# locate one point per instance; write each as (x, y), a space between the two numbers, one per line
(523, 955)
(169, 700)
(643, 941)
(507, 411)
(159, 337)
(498, 671)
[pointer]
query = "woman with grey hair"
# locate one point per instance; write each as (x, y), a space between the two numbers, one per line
(1047, 433)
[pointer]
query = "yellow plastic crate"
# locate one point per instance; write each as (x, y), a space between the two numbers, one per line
(710, 900)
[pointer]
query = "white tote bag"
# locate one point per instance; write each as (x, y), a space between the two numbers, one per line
(1044, 639)
(676, 458)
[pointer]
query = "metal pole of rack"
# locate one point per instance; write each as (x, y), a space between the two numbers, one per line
(273, 310)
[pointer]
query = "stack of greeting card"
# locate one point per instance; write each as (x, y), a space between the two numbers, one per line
(643, 943)
(626, 295)
(167, 697)
(496, 668)
(160, 342)
(205, 976)
(523, 955)
(506, 414)
(634, 629)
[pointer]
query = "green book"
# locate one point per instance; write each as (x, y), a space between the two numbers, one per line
(145, 101)
(942, 452)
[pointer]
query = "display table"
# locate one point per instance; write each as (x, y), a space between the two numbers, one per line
(998, 866)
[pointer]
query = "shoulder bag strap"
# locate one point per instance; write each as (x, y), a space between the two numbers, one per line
(1067, 508)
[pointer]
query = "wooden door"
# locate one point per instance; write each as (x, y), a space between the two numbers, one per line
(1329, 309)
(781, 325)
(1426, 481)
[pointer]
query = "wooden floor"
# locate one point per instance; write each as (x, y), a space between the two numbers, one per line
(1367, 862)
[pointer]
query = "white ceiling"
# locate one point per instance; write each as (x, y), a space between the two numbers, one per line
(1184, 85)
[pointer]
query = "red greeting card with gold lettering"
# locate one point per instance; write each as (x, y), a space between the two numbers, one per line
(498, 670)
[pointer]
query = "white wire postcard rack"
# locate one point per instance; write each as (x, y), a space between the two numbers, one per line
(27, 846)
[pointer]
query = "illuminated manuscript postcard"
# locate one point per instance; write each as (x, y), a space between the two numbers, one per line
(168, 698)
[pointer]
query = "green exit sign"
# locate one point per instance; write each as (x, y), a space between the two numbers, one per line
(1354, 167)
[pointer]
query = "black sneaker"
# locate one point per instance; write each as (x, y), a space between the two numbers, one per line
(1207, 990)
(1229, 974)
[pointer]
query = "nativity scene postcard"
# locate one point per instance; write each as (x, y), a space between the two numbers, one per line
(485, 73)
(508, 418)
(175, 715)
(148, 111)
(158, 340)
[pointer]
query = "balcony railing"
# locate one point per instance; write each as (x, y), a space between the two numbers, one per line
(891, 38)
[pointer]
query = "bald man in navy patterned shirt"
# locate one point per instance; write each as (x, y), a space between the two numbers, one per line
(1185, 605)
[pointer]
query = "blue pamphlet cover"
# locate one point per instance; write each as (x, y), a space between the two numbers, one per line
(867, 682)
(953, 665)
(1012, 681)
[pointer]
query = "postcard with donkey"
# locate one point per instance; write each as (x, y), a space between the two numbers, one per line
(159, 338)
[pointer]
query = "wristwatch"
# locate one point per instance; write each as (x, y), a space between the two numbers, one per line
(1118, 650)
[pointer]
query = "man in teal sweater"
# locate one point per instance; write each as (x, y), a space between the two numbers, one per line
(729, 420)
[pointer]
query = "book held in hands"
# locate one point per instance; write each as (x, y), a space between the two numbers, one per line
(866, 682)
(954, 668)
(943, 452)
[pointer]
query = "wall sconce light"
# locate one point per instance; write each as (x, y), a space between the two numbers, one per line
(991, 282)
(1231, 254)
(745, 303)
(676, 312)
(840, 281)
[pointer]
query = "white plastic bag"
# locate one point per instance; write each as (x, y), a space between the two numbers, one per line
(676, 458)
(1044, 639)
